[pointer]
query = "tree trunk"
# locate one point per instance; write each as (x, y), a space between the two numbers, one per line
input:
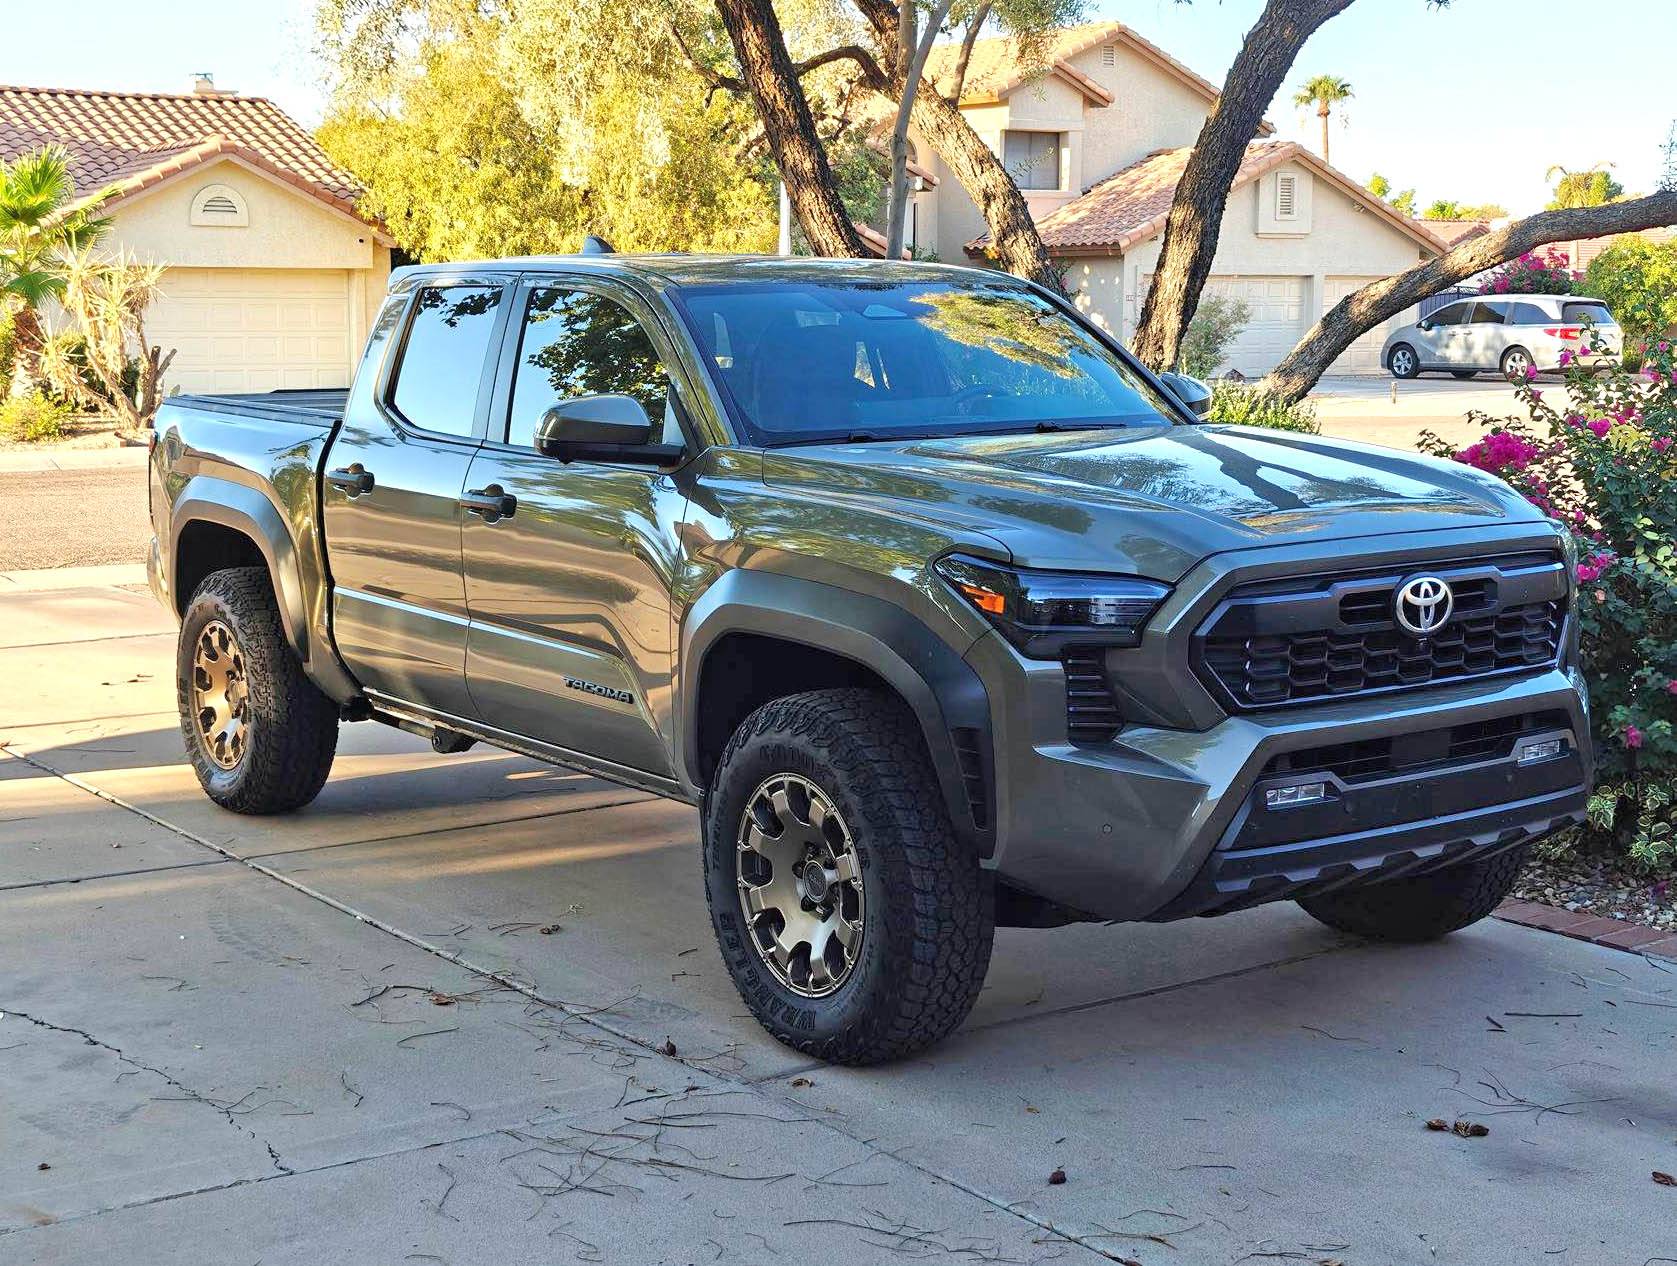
(772, 81)
(1196, 215)
(1322, 111)
(1015, 243)
(912, 54)
(27, 337)
(1380, 301)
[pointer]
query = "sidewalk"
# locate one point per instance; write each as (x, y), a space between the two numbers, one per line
(27, 459)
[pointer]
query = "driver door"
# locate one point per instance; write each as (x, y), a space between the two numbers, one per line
(570, 639)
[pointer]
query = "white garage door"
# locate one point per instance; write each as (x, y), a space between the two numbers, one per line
(1276, 321)
(253, 329)
(1363, 356)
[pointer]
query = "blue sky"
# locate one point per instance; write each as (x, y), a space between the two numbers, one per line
(1470, 102)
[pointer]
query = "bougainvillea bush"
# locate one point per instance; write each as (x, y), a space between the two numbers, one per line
(1532, 274)
(1601, 458)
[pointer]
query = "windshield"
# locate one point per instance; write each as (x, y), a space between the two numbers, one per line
(806, 360)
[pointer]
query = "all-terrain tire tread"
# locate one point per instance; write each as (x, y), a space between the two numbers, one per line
(1425, 907)
(874, 741)
(294, 736)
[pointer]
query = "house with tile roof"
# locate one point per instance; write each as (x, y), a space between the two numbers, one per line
(1097, 128)
(272, 272)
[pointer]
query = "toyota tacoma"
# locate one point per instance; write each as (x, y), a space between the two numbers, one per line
(943, 611)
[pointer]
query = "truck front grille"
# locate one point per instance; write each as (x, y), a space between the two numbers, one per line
(1305, 639)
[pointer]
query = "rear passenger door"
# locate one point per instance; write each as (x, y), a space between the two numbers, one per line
(391, 490)
(1485, 336)
(572, 635)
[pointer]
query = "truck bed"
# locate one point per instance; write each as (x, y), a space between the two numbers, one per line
(319, 406)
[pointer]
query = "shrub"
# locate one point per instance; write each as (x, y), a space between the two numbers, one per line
(1606, 468)
(1637, 280)
(1216, 324)
(7, 348)
(1531, 274)
(32, 417)
(1237, 405)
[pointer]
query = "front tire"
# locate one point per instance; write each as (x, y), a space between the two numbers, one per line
(1403, 362)
(1423, 908)
(855, 925)
(260, 735)
(1516, 362)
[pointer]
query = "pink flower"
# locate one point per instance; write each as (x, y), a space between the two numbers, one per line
(1566, 357)
(1531, 372)
(1600, 427)
(1536, 394)
(1586, 573)
(1671, 686)
(1661, 444)
(1633, 737)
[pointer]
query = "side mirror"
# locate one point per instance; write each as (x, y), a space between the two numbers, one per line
(606, 428)
(1194, 394)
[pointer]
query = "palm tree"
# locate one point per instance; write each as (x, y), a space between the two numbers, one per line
(41, 228)
(1324, 92)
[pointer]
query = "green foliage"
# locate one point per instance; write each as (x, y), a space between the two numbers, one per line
(1323, 92)
(1217, 322)
(1606, 468)
(476, 135)
(1532, 274)
(32, 417)
(1592, 188)
(8, 342)
(1637, 279)
(1235, 404)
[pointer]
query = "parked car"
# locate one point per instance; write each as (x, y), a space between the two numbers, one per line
(1507, 333)
(943, 611)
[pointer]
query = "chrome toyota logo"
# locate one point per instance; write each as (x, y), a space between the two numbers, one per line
(1423, 605)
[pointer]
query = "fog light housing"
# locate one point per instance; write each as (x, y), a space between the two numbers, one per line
(1544, 749)
(1300, 793)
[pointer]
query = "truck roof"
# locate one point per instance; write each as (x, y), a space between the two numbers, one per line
(699, 270)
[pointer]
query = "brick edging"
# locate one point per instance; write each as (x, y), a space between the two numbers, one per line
(1597, 929)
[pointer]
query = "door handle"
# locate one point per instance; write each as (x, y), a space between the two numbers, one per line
(493, 503)
(354, 479)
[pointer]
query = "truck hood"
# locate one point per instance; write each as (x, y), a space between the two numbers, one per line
(1150, 501)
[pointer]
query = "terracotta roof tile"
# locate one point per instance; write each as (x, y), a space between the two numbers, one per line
(1455, 232)
(1132, 204)
(120, 137)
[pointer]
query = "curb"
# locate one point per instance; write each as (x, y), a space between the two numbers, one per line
(1597, 929)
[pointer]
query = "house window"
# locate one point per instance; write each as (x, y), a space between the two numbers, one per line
(1286, 196)
(1035, 160)
(219, 206)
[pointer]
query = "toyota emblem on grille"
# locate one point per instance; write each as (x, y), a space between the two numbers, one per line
(1422, 605)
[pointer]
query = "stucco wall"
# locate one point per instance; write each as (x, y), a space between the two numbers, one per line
(287, 229)
(1151, 110)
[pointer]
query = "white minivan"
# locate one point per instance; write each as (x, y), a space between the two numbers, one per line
(1508, 333)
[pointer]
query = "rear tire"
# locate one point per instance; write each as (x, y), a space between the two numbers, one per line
(854, 781)
(1515, 362)
(1403, 362)
(260, 735)
(1423, 908)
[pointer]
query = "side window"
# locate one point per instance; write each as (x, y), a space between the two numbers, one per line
(1487, 314)
(1528, 314)
(1450, 314)
(577, 343)
(442, 361)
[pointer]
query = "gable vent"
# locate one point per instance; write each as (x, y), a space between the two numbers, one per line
(219, 204)
(1286, 196)
(1109, 55)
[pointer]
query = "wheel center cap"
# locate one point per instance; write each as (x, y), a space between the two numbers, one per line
(816, 882)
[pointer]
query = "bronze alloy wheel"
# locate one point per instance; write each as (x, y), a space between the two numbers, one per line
(800, 886)
(220, 698)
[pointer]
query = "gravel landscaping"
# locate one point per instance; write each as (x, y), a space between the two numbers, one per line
(1600, 885)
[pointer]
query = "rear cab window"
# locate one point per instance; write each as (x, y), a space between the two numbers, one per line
(439, 370)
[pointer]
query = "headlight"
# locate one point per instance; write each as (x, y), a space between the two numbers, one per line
(1040, 612)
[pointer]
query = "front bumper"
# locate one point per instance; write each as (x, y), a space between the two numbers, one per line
(1167, 821)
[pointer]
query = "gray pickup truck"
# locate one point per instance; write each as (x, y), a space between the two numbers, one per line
(943, 611)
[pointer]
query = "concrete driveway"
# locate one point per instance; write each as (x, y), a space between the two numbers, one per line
(468, 1009)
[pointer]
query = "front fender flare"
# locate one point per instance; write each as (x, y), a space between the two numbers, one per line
(938, 684)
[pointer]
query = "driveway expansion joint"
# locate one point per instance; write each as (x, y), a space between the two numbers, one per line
(168, 1078)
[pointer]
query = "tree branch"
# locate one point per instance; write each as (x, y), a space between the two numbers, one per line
(964, 58)
(718, 82)
(1382, 300)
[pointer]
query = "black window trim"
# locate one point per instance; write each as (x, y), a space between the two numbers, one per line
(499, 410)
(384, 397)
